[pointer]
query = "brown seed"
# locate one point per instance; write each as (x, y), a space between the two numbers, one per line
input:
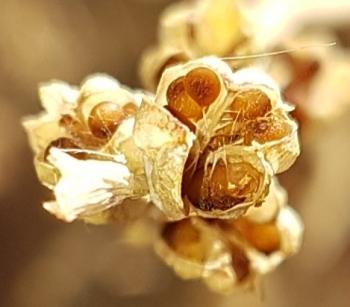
(250, 104)
(226, 186)
(65, 143)
(184, 239)
(264, 237)
(265, 130)
(104, 119)
(202, 85)
(181, 105)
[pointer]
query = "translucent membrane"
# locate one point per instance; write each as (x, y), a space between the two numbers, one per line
(104, 119)
(65, 143)
(183, 238)
(223, 186)
(264, 237)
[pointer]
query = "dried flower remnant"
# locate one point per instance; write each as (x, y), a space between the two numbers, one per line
(76, 154)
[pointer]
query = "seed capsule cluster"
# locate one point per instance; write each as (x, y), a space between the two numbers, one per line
(84, 149)
(235, 136)
(198, 158)
(187, 31)
(229, 254)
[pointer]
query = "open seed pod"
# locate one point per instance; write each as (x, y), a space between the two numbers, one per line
(205, 27)
(267, 243)
(196, 94)
(84, 149)
(232, 179)
(195, 249)
(261, 118)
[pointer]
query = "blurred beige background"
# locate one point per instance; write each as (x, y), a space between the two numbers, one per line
(44, 262)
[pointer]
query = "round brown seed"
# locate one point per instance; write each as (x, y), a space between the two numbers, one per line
(202, 85)
(228, 185)
(250, 104)
(104, 119)
(265, 130)
(181, 105)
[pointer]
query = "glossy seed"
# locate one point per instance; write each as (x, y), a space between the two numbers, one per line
(224, 186)
(181, 105)
(265, 130)
(264, 237)
(68, 144)
(250, 104)
(203, 86)
(104, 119)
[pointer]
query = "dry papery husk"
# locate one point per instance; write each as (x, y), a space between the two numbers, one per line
(238, 154)
(86, 189)
(195, 249)
(283, 152)
(155, 60)
(165, 143)
(290, 229)
(205, 27)
(57, 98)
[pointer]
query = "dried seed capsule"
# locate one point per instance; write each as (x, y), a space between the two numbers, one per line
(66, 143)
(250, 104)
(193, 248)
(104, 119)
(202, 85)
(264, 237)
(232, 180)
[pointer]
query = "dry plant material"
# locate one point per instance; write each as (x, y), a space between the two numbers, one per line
(190, 30)
(199, 158)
